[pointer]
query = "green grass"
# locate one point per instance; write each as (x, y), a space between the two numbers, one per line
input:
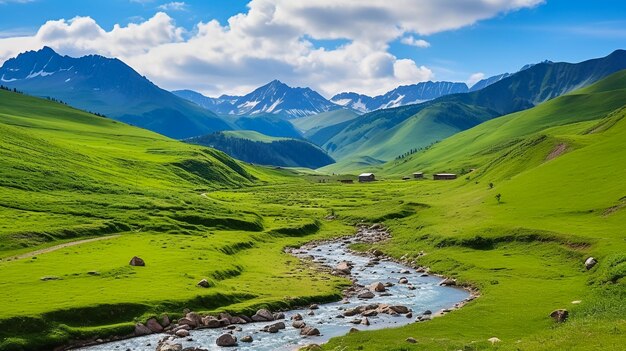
(190, 222)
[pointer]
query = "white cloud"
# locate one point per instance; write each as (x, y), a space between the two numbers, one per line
(410, 40)
(173, 6)
(474, 78)
(270, 41)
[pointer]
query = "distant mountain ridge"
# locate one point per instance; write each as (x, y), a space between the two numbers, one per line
(108, 86)
(273, 98)
(384, 134)
(400, 96)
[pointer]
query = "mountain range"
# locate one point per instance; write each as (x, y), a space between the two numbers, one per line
(274, 98)
(400, 96)
(110, 87)
(387, 133)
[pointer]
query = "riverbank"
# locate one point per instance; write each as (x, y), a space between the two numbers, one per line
(384, 294)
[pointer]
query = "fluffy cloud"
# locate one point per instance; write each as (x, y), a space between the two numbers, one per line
(474, 78)
(410, 40)
(173, 6)
(274, 39)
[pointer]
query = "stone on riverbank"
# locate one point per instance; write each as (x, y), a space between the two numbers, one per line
(154, 326)
(263, 315)
(141, 330)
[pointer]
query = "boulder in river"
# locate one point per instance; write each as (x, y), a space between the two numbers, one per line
(343, 268)
(560, 315)
(246, 338)
(274, 328)
(366, 295)
(309, 331)
(226, 340)
(400, 309)
(169, 346)
(403, 280)
(296, 317)
(136, 261)
(299, 324)
(590, 262)
(182, 333)
(378, 287)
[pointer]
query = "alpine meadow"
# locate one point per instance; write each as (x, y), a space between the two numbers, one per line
(321, 175)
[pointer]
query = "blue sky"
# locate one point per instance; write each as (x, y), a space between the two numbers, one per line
(558, 30)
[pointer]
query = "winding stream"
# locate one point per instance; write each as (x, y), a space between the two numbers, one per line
(426, 294)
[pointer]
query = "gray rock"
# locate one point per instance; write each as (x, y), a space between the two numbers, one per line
(141, 330)
(182, 333)
(136, 261)
(366, 295)
(226, 340)
(204, 283)
(559, 316)
(298, 324)
(590, 262)
(378, 287)
(263, 315)
(309, 331)
(154, 326)
(411, 340)
(246, 338)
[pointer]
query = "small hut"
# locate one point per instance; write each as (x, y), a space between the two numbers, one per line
(418, 175)
(366, 177)
(444, 176)
(406, 178)
(346, 181)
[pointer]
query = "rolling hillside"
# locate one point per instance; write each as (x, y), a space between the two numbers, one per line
(110, 87)
(253, 147)
(480, 147)
(387, 133)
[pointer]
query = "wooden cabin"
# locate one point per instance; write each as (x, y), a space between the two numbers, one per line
(418, 175)
(346, 181)
(406, 178)
(366, 177)
(444, 176)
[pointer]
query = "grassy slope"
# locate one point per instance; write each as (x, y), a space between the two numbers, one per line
(388, 133)
(526, 253)
(67, 175)
(310, 124)
(476, 146)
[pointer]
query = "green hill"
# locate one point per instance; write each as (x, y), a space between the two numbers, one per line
(386, 134)
(254, 147)
(477, 147)
(310, 124)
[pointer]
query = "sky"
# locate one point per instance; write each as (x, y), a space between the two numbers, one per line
(367, 46)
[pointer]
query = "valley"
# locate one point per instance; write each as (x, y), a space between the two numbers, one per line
(312, 175)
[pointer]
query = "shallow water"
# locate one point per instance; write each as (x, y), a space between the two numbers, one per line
(428, 295)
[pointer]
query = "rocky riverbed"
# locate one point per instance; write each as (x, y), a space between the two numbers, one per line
(384, 294)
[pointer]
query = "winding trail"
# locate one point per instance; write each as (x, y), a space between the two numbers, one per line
(58, 247)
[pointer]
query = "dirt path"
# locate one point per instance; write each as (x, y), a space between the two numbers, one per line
(58, 247)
